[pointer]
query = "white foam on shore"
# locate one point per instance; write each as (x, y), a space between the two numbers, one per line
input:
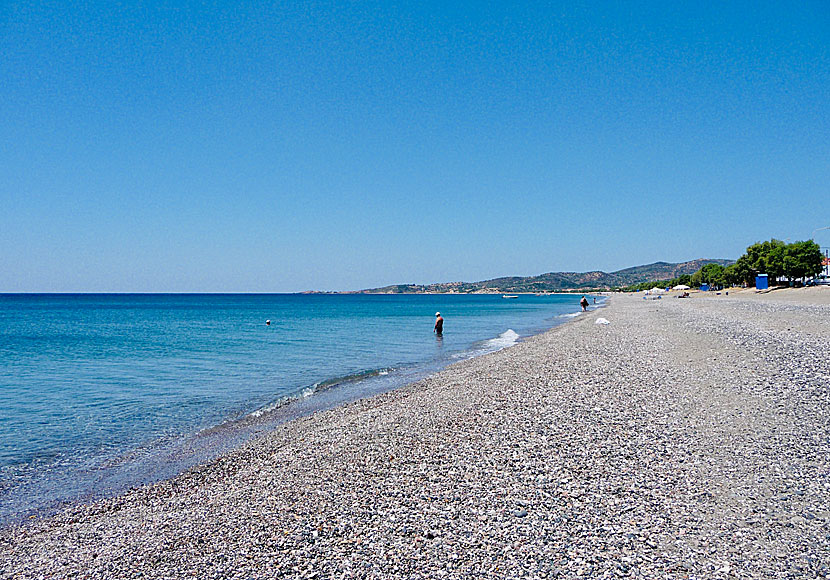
(507, 338)
(282, 401)
(571, 315)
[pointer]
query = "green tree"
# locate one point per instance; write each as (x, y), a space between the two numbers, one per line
(742, 272)
(767, 258)
(802, 260)
(731, 277)
(711, 274)
(697, 279)
(685, 279)
(779, 260)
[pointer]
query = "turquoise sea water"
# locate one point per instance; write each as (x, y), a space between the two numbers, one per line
(100, 392)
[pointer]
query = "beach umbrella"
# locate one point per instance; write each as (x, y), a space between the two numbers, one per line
(681, 287)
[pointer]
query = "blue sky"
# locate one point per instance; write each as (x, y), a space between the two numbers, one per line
(271, 147)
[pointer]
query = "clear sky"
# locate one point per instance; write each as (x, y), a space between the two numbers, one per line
(272, 147)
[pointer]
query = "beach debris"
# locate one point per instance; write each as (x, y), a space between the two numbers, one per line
(602, 321)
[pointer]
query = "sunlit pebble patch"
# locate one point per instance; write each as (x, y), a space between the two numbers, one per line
(685, 439)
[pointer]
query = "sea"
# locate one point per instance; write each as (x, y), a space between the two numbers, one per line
(103, 392)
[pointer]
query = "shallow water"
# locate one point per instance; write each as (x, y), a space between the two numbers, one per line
(99, 392)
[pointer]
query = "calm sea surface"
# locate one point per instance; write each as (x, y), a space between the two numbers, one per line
(100, 392)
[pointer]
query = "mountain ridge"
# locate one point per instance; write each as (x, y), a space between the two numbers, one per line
(556, 281)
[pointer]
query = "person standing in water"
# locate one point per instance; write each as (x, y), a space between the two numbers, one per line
(584, 304)
(439, 324)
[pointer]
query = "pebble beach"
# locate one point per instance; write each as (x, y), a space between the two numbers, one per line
(687, 438)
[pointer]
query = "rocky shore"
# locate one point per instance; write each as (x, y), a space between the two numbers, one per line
(685, 439)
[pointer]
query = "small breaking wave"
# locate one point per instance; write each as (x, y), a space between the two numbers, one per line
(318, 387)
(505, 339)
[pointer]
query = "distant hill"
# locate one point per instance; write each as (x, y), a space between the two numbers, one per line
(555, 281)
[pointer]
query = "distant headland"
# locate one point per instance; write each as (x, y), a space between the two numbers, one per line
(555, 281)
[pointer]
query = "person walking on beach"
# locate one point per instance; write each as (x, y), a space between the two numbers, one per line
(439, 324)
(584, 304)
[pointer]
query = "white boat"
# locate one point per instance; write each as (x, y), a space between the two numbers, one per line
(509, 296)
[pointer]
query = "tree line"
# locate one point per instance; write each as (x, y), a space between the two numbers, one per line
(781, 262)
